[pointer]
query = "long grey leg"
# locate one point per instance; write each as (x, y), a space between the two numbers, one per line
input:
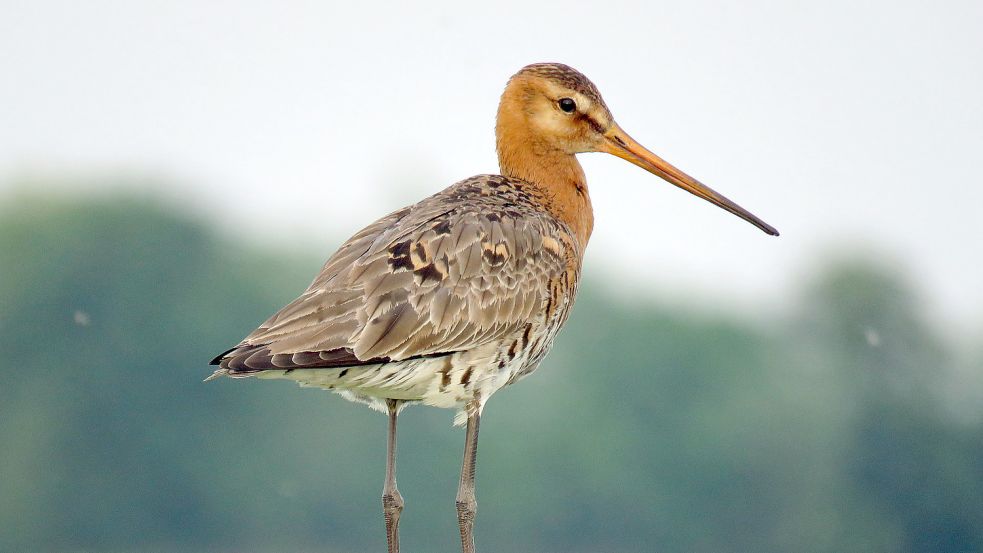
(467, 506)
(392, 502)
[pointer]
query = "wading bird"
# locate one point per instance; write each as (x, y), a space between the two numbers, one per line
(448, 300)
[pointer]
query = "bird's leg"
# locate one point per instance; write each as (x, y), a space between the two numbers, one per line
(392, 502)
(467, 506)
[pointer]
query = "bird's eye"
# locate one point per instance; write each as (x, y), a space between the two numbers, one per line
(567, 105)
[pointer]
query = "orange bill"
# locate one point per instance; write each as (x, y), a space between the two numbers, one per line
(618, 143)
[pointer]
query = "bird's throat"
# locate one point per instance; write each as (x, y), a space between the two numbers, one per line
(557, 177)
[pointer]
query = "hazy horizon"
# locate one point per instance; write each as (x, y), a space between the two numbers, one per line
(843, 125)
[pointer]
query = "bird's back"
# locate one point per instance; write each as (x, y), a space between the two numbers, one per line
(449, 298)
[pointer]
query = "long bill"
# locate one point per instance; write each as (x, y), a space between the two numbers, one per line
(618, 143)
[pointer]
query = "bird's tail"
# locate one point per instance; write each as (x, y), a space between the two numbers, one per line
(217, 374)
(230, 373)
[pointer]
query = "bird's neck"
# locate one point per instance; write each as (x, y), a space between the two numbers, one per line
(557, 177)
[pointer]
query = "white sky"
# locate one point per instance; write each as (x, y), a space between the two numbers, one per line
(294, 124)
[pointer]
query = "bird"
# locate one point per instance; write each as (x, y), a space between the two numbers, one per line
(446, 301)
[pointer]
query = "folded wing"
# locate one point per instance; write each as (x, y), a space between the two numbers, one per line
(455, 271)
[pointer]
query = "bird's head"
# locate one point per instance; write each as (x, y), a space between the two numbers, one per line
(551, 109)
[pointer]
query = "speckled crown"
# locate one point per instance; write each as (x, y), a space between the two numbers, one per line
(566, 76)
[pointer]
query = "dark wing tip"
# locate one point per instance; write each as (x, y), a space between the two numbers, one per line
(219, 357)
(248, 359)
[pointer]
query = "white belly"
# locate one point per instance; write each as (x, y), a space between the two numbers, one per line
(451, 381)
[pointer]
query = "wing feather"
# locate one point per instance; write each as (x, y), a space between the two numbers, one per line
(457, 270)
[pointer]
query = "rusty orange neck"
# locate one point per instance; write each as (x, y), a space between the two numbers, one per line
(557, 176)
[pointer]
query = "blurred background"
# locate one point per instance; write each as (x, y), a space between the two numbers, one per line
(173, 172)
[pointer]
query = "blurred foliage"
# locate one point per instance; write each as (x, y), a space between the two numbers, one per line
(646, 429)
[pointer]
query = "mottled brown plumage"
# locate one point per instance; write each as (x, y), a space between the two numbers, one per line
(480, 263)
(446, 301)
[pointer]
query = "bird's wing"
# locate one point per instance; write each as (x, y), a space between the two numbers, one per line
(452, 272)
